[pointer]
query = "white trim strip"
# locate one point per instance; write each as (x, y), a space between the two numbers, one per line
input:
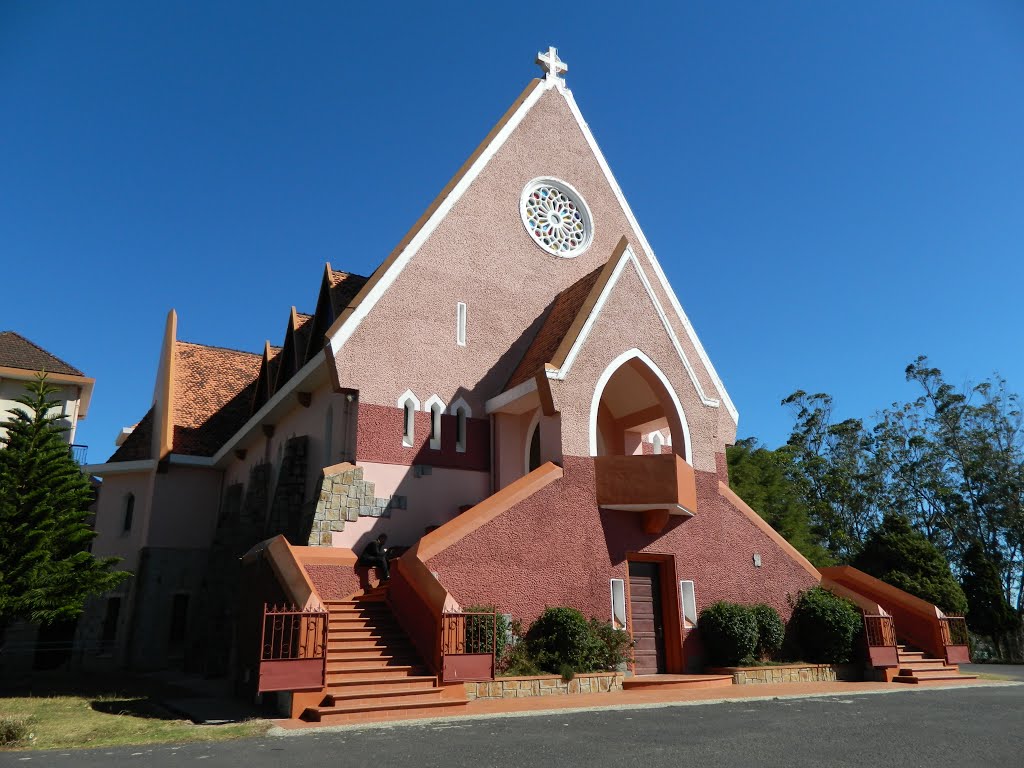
(117, 467)
(498, 402)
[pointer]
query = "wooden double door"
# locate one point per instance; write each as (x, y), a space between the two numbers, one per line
(646, 614)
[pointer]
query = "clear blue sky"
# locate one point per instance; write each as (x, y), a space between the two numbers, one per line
(832, 188)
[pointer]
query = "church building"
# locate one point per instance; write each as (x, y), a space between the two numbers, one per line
(515, 395)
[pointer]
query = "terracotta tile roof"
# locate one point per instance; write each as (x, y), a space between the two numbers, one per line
(18, 352)
(139, 444)
(344, 287)
(562, 312)
(213, 392)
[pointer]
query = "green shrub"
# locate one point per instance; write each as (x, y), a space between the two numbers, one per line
(480, 630)
(770, 630)
(609, 647)
(15, 729)
(728, 632)
(826, 626)
(567, 672)
(559, 636)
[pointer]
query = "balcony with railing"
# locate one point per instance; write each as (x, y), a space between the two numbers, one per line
(80, 453)
(656, 486)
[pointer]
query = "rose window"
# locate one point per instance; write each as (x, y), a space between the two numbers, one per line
(556, 217)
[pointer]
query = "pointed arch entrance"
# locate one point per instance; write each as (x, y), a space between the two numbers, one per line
(633, 397)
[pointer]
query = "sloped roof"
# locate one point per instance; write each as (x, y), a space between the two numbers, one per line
(139, 444)
(18, 352)
(213, 390)
(563, 311)
(344, 287)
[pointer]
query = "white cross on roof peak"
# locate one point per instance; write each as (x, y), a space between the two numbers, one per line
(553, 66)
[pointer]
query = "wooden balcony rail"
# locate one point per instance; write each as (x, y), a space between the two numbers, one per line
(468, 643)
(954, 630)
(293, 648)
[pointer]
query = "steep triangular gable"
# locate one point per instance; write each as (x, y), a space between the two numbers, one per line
(385, 275)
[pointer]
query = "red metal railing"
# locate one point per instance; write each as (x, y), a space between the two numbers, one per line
(293, 648)
(879, 630)
(953, 630)
(468, 642)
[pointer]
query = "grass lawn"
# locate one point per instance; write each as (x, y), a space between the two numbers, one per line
(107, 715)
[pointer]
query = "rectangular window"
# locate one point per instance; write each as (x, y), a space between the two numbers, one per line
(689, 603)
(460, 324)
(109, 632)
(618, 604)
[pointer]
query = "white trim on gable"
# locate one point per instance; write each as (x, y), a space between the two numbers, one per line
(453, 409)
(613, 366)
(338, 339)
(629, 257)
(435, 429)
(408, 395)
(673, 299)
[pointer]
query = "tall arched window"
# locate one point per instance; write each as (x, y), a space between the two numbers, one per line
(436, 408)
(657, 442)
(534, 456)
(409, 405)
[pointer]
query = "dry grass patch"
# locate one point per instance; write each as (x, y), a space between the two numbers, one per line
(68, 722)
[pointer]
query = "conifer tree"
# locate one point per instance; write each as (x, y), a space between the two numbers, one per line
(46, 570)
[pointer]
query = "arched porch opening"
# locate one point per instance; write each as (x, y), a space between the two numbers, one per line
(634, 398)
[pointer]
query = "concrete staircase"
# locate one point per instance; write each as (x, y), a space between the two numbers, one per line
(373, 670)
(915, 668)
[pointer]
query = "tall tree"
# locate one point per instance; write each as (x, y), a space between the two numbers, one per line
(899, 555)
(835, 462)
(769, 481)
(988, 613)
(46, 571)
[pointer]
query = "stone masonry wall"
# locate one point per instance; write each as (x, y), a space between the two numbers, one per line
(345, 497)
(790, 673)
(286, 508)
(544, 685)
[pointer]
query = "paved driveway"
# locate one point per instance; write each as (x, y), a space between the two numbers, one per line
(977, 726)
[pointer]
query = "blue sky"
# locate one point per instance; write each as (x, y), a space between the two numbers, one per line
(832, 188)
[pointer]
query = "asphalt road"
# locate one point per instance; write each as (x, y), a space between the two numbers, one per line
(1014, 671)
(966, 727)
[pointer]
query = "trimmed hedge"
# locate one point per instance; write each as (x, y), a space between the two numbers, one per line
(770, 630)
(558, 637)
(826, 626)
(728, 632)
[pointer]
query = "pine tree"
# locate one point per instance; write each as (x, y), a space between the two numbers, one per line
(46, 570)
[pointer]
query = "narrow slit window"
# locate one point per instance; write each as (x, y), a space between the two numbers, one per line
(618, 604)
(657, 442)
(460, 430)
(460, 324)
(409, 423)
(689, 600)
(129, 512)
(435, 425)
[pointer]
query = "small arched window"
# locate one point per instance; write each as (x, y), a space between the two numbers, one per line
(409, 405)
(657, 443)
(129, 512)
(436, 408)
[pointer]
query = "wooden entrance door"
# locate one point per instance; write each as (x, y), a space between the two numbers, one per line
(646, 614)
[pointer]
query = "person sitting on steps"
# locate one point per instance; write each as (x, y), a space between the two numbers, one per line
(375, 556)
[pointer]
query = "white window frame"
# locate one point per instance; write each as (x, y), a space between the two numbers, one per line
(408, 417)
(657, 443)
(618, 591)
(460, 323)
(461, 410)
(435, 407)
(688, 594)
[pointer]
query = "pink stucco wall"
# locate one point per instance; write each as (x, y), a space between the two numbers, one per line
(111, 539)
(481, 254)
(185, 505)
(432, 499)
(380, 440)
(558, 548)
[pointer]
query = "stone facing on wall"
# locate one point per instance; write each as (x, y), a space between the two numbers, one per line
(344, 498)
(790, 673)
(286, 508)
(544, 685)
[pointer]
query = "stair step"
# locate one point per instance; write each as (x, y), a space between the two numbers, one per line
(932, 678)
(372, 685)
(336, 622)
(340, 714)
(374, 671)
(370, 662)
(905, 670)
(916, 663)
(368, 646)
(399, 696)
(342, 633)
(368, 652)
